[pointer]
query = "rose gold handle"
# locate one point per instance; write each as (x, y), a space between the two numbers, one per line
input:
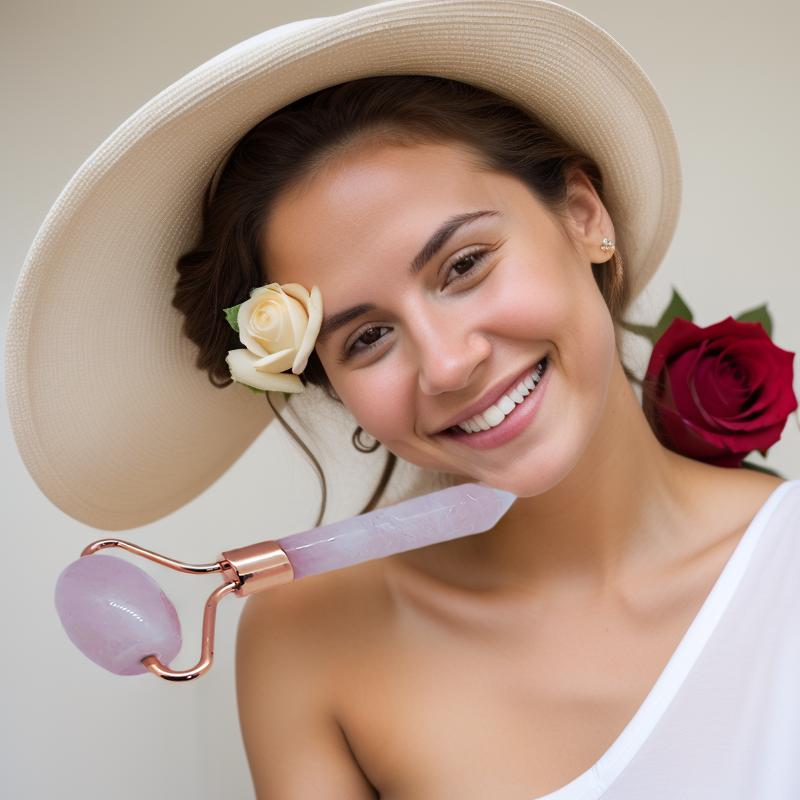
(207, 649)
(180, 566)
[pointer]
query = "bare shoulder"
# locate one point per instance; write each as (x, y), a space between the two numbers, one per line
(732, 497)
(326, 615)
(294, 645)
(753, 486)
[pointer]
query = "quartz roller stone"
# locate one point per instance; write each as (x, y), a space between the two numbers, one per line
(116, 614)
(461, 510)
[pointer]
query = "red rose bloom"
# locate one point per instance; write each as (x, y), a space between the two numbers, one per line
(716, 394)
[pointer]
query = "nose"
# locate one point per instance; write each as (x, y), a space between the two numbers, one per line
(450, 350)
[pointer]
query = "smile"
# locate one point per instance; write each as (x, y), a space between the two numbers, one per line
(508, 416)
(500, 409)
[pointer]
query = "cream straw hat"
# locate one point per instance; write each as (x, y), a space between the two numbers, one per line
(112, 418)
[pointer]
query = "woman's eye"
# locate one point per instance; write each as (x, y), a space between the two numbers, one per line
(367, 337)
(467, 264)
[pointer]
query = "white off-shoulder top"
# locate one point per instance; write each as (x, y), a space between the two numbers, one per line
(722, 722)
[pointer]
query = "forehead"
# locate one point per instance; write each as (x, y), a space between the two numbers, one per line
(370, 209)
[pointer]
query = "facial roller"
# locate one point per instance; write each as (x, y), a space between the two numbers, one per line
(119, 617)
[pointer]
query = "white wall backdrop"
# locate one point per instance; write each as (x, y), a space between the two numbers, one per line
(70, 72)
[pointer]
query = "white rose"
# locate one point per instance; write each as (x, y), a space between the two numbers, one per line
(278, 327)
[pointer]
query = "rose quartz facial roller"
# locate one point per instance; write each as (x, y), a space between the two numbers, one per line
(117, 615)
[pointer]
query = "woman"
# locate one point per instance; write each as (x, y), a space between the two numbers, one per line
(561, 653)
(562, 617)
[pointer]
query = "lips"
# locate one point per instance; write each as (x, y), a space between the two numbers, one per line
(490, 397)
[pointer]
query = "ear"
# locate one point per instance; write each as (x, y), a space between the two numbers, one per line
(587, 219)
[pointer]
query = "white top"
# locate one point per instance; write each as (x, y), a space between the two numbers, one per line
(723, 718)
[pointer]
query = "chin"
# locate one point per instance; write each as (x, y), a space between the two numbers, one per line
(523, 489)
(529, 479)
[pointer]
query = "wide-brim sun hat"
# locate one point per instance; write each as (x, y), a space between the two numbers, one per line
(113, 420)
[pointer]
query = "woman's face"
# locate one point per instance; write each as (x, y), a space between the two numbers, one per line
(442, 327)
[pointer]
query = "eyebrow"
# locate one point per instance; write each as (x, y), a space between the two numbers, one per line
(435, 243)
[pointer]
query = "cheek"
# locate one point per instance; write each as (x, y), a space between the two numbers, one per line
(587, 348)
(560, 308)
(526, 304)
(380, 398)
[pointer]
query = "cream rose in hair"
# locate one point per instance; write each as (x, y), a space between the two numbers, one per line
(278, 327)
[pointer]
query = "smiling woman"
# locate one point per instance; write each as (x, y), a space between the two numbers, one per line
(410, 201)
(474, 287)
(436, 214)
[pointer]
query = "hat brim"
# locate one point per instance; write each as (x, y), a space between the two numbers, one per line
(112, 419)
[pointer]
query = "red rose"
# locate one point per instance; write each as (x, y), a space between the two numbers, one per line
(716, 394)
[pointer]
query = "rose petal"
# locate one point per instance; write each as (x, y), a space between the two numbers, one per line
(699, 384)
(266, 323)
(268, 287)
(681, 374)
(298, 292)
(682, 437)
(275, 362)
(724, 383)
(280, 382)
(757, 399)
(298, 319)
(310, 336)
(680, 335)
(736, 381)
(240, 363)
(243, 321)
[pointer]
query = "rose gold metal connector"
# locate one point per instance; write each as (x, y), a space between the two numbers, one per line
(246, 571)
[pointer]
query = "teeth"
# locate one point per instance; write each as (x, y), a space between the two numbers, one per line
(493, 415)
(505, 404)
(497, 412)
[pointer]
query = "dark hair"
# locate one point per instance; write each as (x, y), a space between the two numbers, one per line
(292, 144)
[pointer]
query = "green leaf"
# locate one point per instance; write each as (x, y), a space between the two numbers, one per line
(759, 468)
(230, 315)
(677, 308)
(639, 330)
(758, 314)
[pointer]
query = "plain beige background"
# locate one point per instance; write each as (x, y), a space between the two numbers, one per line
(72, 70)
